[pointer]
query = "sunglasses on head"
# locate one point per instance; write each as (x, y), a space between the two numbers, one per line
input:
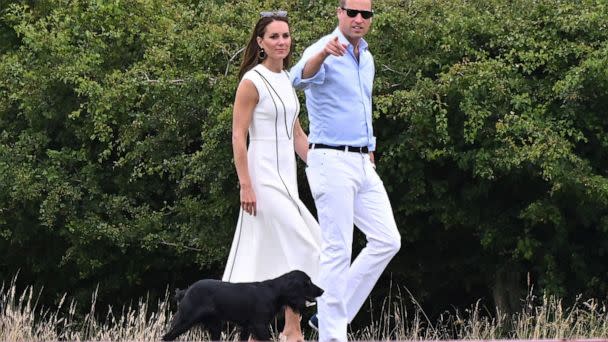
(267, 14)
(353, 13)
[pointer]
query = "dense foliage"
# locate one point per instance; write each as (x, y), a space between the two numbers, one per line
(116, 166)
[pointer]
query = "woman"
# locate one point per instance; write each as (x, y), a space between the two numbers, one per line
(275, 232)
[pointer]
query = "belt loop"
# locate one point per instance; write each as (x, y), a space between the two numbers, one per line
(312, 146)
(345, 148)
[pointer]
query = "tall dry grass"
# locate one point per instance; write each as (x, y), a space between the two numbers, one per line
(543, 317)
(401, 318)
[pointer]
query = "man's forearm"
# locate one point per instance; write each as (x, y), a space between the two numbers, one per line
(314, 65)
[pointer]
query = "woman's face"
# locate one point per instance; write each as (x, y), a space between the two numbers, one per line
(276, 41)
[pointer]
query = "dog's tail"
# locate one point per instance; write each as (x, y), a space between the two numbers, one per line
(179, 294)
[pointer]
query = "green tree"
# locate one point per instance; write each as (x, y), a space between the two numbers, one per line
(115, 146)
(494, 144)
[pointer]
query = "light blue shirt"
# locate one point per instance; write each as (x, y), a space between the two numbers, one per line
(339, 95)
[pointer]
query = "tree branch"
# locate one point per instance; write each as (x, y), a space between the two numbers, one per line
(172, 244)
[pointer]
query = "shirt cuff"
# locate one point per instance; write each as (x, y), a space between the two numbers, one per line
(372, 144)
(302, 83)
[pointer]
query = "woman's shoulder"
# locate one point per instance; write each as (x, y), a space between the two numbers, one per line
(252, 75)
(247, 75)
(260, 75)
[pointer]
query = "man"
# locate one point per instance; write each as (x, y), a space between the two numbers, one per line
(337, 73)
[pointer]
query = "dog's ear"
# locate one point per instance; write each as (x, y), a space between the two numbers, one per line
(296, 303)
(179, 294)
(294, 293)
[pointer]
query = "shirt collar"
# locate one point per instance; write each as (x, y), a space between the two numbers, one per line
(362, 43)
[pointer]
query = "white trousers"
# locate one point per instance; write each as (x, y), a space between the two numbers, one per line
(347, 191)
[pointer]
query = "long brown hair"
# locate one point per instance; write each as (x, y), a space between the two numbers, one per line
(251, 57)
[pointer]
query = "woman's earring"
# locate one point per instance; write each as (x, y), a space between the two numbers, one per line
(262, 54)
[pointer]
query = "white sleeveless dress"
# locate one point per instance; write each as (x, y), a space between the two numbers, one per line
(283, 236)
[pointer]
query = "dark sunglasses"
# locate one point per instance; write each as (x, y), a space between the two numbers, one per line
(353, 13)
(280, 14)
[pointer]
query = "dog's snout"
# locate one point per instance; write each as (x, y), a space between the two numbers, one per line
(316, 290)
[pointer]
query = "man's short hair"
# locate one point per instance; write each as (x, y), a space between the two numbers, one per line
(343, 3)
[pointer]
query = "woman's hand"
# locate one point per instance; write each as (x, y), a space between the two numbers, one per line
(248, 201)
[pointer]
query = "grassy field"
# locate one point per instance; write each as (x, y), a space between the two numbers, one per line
(21, 319)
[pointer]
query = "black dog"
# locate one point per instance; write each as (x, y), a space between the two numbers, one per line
(251, 306)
